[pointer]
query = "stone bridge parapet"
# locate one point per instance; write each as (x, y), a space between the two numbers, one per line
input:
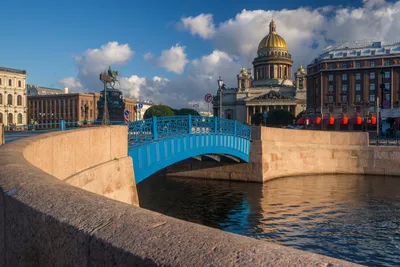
(46, 219)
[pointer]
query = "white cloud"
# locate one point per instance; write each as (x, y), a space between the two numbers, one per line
(201, 25)
(95, 61)
(173, 59)
(148, 56)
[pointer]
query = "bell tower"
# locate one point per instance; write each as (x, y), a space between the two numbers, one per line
(301, 83)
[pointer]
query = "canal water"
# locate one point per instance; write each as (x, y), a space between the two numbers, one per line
(354, 218)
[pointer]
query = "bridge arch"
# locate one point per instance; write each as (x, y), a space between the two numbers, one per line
(159, 142)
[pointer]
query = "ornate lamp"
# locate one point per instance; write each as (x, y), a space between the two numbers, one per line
(220, 86)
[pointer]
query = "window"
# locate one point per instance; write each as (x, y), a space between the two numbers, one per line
(387, 51)
(372, 63)
(358, 87)
(344, 77)
(372, 87)
(10, 118)
(387, 86)
(387, 62)
(387, 97)
(358, 76)
(373, 52)
(359, 53)
(9, 83)
(344, 65)
(330, 77)
(9, 99)
(19, 84)
(330, 89)
(358, 98)
(331, 55)
(344, 54)
(1, 99)
(358, 65)
(344, 88)
(1, 117)
(387, 74)
(330, 99)
(371, 109)
(344, 99)
(19, 100)
(331, 66)
(19, 118)
(371, 98)
(1, 81)
(372, 75)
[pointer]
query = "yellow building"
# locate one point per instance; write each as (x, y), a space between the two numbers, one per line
(13, 96)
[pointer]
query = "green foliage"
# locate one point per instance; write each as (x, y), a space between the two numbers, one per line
(257, 118)
(280, 117)
(186, 111)
(158, 111)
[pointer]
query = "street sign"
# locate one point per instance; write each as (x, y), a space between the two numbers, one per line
(386, 104)
(126, 112)
(140, 105)
(208, 98)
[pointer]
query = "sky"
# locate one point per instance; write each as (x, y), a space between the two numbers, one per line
(172, 52)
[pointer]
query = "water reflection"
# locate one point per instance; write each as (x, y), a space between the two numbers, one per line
(355, 218)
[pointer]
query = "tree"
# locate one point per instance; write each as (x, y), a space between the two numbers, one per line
(186, 111)
(280, 117)
(158, 111)
(257, 118)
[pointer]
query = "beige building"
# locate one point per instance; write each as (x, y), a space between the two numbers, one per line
(13, 101)
(272, 86)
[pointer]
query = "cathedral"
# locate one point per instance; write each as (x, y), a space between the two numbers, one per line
(271, 87)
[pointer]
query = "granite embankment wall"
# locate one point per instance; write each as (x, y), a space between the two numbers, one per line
(44, 221)
(279, 152)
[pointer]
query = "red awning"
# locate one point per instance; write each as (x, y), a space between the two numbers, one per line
(372, 120)
(358, 120)
(331, 120)
(344, 120)
(317, 120)
(301, 120)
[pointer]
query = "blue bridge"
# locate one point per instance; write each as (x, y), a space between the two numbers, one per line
(159, 142)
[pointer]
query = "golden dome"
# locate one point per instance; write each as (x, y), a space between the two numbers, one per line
(272, 40)
(301, 68)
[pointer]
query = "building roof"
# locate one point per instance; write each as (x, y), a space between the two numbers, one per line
(34, 90)
(13, 70)
(364, 48)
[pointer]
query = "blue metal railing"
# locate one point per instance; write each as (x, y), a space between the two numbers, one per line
(155, 128)
(56, 126)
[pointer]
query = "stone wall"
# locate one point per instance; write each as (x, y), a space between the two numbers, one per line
(44, 221)
(277, 152)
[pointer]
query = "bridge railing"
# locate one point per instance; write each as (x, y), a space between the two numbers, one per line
(155, 128)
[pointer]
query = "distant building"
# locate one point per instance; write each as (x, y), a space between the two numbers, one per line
(13, 96)
(346, 79)
(273, 85)
(49, 105)
(140, 111)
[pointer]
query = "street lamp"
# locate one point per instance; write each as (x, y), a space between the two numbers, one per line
(220, 87)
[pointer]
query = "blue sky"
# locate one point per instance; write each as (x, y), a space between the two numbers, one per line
(44, 36)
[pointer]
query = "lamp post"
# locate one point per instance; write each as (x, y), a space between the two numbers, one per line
(220, 87)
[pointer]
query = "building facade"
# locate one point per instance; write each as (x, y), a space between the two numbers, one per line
(347, 80)
(13, 101)
(53, 105)
(272, 86)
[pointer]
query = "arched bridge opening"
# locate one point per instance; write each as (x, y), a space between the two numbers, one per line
(159, 142)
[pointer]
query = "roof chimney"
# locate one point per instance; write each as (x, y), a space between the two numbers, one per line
(65, 90)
